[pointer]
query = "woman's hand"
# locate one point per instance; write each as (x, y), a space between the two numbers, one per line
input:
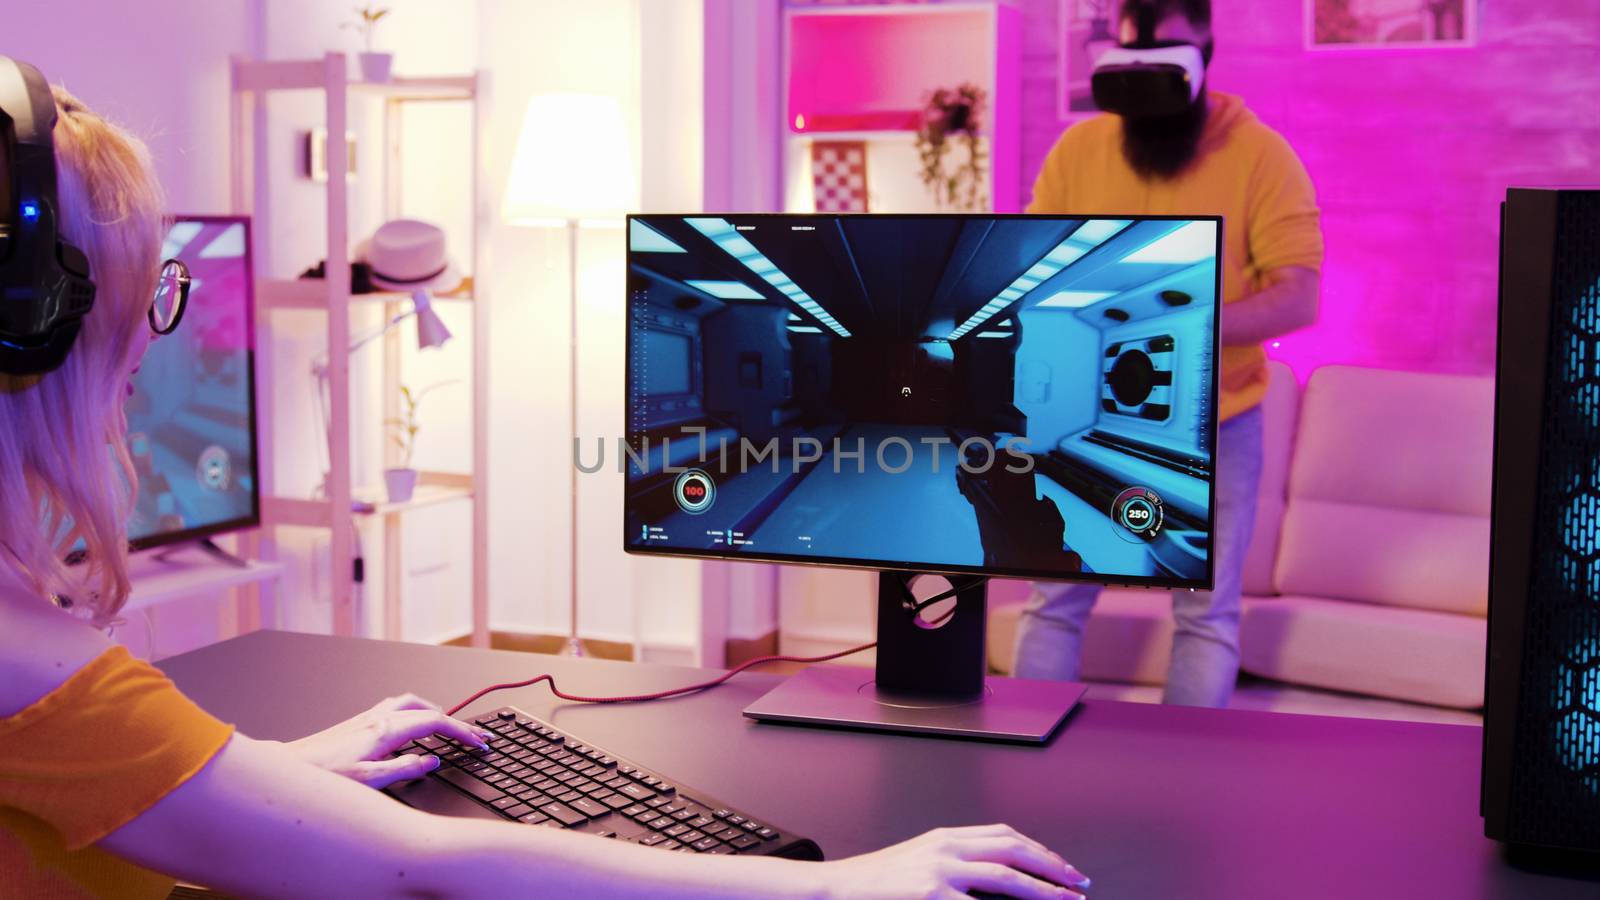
(946, 863)
(359, 748)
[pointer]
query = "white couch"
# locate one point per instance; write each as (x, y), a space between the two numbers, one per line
(1368, 571)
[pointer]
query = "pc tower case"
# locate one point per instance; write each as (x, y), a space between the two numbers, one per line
(1541, 759)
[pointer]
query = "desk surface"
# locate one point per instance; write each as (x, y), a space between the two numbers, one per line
(1150, 801)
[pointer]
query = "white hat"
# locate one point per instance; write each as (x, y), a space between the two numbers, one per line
(409, 255)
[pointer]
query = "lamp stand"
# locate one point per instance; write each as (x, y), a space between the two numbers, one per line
(574, 645)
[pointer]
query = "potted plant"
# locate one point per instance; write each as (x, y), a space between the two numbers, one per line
(951, 115)
(374, 66)
(401, 482)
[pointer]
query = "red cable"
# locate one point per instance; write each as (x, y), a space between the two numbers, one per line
(660, 695)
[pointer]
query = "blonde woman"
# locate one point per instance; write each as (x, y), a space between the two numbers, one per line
(108, 775)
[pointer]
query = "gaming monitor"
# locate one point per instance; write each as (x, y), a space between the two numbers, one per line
(1027, 396)
(192, 415)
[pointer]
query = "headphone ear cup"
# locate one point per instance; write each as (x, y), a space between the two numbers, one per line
(72, 259)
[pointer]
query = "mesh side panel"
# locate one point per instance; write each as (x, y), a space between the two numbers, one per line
(1556, 782)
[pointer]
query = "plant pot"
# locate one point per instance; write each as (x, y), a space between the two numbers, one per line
(375, 66)
(401, 484)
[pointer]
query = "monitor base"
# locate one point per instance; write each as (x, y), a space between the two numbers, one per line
(1010, 709)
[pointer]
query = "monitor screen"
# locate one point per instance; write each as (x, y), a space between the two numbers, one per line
(191, 417)
(1031, 396)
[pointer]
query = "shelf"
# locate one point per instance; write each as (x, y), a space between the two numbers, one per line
(433, 488)
(160, 576)
(312, 293)
(311, 74)
(425, 495)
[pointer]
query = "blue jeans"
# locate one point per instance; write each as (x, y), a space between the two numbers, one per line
(1205, 649)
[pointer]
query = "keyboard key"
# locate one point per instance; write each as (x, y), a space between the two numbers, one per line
(652, 839)
(563, 814)
(700, 821)
(431, 742)
(594, 769)
(471, 766)
(744, 842)
(661, 822)
(636, 791)
(726, 834)
(567, 796)
(626, 770)
(614, 800)
(485, 792)
(767, 834)
(606, 761)
(720, 849)
(518, 811)
(677, 830)
(534, 818)
(722, 813)
(590, 808)
(689, 836)
(637, 808)
(736, 820)
(704, 844)
(751, 827)
(654, 802)
(682, 815)
(617, 783)
(503, 803)
(674, 845)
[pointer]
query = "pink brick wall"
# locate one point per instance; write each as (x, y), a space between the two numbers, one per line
(1411, 152)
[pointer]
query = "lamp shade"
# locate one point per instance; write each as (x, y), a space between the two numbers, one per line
(431, 330)
(572, 161)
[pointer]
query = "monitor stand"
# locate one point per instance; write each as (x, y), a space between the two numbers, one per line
(930, 679)
(210, 548)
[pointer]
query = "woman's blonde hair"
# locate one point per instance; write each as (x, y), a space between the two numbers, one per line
(66, 480)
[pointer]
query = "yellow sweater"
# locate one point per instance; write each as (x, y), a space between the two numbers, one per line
(1245, 172)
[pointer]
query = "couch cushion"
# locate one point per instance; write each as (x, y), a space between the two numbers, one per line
(1389, 490)
(1406, 654)
(1128, 637)
(1280, 407)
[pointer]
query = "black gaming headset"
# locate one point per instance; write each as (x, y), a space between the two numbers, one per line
(45, 288)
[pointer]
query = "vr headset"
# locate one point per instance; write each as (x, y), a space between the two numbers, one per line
(45, 287)
(1148, 78)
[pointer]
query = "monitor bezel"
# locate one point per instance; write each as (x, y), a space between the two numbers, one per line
(882, 565)
(253, 520)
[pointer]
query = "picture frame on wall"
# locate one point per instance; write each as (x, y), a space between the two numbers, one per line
(1390, 24)
(1085, 28)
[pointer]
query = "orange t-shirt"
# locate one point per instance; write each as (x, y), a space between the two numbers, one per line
(1245, 172)
(84, 760)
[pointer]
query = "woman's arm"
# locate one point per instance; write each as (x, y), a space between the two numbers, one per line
(259, 822)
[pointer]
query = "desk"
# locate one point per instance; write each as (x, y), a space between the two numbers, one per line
(1150, 801)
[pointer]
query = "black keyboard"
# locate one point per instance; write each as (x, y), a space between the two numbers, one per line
(537, 775)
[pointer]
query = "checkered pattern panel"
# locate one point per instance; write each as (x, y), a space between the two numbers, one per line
(839, 176)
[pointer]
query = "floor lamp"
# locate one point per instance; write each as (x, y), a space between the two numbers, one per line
(572, 168)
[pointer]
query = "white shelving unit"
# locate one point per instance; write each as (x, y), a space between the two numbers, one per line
(251, 80)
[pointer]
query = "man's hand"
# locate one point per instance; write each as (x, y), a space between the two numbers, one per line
(359, 747)
(1287, 302)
